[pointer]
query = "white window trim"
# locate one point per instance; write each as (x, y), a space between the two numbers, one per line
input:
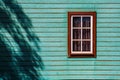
(91, 28)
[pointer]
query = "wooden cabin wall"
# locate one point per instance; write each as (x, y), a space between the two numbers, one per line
(49, 18)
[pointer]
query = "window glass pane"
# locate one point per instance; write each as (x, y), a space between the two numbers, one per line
(76, 33)
(86, 46)
(76, 21)
(76, 46)
(86, 34)
(86, 22)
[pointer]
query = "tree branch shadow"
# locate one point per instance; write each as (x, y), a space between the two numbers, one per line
(19, 45)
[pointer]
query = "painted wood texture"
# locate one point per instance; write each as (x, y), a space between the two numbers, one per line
(49, 18)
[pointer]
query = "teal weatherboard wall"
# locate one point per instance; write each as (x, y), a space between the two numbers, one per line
(49, 18)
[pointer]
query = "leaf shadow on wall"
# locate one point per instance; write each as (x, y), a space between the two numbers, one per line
(19, 46)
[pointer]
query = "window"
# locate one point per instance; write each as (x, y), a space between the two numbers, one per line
(82, 34)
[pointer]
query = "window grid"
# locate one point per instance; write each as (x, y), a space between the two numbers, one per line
(82, 27)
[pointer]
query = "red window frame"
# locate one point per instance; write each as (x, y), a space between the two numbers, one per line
(71, 53)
